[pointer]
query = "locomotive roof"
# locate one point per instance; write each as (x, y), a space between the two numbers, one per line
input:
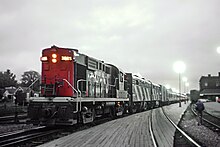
(121, 70)
(55, 47)
(140, 78)
(156, 84)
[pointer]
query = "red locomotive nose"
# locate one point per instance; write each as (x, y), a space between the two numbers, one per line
(58, 65)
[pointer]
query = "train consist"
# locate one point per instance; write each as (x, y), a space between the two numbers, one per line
(76, 88)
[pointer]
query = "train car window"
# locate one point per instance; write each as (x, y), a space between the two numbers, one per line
(103, 67)
(97, 65)
(125, 85)
(117, 83)
(107, 70)
(100, 66)
(121, 77)
(137, 82)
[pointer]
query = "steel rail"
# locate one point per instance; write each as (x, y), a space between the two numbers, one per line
(25, 138)
(12, 139)
(151, 130)
(217, 117)
(181, 131)
(11, 117)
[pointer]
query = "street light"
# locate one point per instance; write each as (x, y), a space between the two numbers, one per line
(187, 85)
(184, 79)
(218, 49)
(179, 67)
(184, 83)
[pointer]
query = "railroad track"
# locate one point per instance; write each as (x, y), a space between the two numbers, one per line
(209, 120)
(40, 135)
(11, 119)
(185, 139)
(153, 138)
(27, 136)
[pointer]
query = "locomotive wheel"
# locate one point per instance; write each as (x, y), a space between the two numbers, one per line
(112, 112)
(133, 110)
(88, 117)
(79, 118)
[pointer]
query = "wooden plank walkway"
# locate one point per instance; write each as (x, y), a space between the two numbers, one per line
(162, 128)
(175, 112)
(128, 131)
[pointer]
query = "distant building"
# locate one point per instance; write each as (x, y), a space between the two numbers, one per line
(9, 93)
(210, 87)
(23, 94)
(24, 89)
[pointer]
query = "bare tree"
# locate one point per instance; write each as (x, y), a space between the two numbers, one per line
(30, 77)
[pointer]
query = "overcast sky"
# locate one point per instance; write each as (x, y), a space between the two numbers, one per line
(144, 36)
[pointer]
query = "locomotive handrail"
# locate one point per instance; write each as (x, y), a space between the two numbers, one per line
(77, 108)
(80, 80)
(33, 82)
(71, 86)
(29, 87)
(80, 93)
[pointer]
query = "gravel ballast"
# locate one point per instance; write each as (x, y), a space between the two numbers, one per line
(199, 133)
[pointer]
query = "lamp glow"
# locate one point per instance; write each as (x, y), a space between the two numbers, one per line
(184, 79)
(44, 58)
(54, 55)
(54, 60)
(218, 49)
(179, 67)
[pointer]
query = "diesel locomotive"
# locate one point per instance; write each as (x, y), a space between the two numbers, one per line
(76, 88)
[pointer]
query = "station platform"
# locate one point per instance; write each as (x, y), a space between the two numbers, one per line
(132, 130)
(175, 112)
(213, 108)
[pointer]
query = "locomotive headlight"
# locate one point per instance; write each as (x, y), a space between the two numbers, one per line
(44, 58)
(54, 60)
(54, 56)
